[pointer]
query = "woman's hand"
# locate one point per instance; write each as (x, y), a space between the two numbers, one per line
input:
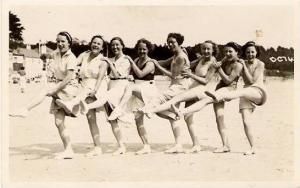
(186, 73)
(217, 65)
(51, 92)
(129, 59)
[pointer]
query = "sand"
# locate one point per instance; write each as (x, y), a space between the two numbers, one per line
(34, 140)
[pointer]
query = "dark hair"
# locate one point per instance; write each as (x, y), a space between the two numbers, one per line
(67, 35)
(104, 45)
(233, 45)
(179, 38)
(248, 44)
(119, 39)
(22, 68)
(145, 41)
(214, 46)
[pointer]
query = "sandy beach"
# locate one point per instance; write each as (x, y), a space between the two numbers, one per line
(34, 140)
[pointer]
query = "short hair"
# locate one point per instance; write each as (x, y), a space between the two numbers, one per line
(104, 45)
(179, 38)
(248, 44)
(119, 39)
(214, 45)
(67, 35)
(233, 45)
(145, 41)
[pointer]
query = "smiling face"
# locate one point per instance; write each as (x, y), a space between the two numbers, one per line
(172, 44)
(230, 53)
(116, 47)
(142, 50)
(207, 50)
(250, 53)
(96, 45)
(62, 43)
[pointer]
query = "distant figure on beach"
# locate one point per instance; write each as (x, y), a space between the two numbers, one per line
(22, 81)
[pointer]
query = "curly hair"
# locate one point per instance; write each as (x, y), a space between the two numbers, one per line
(179, 38)
(145, 41)
(104, 45)
(119, 39)
(214, 46)
(248, 44)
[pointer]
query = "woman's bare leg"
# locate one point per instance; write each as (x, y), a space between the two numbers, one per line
(94, 129)
(59, 117)
(189, 119)
(118, 135)
(143, 135)
(219, 112)
(246, 114)
(186, 96)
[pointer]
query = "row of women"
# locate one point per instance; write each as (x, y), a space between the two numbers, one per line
(187, 93)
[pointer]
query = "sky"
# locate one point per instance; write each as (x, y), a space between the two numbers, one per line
(220, 23)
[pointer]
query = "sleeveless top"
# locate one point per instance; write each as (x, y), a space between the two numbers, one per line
(186, 67)
(233, 84)
(251, 69)
(149, 76)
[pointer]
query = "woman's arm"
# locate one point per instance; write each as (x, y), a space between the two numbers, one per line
(163, 70)
(114, 71)
(63, 83)
(165, 63)
(257, 72)
(227, 79)
(103, 68)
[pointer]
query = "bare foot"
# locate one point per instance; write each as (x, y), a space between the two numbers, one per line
(145, 150)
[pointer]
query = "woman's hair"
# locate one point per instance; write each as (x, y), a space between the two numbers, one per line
(67, 35)
(233, 45)
(214, 46)
(119, 39)
(145, 41)
(179, 38)
(248, 44)
(104, 45)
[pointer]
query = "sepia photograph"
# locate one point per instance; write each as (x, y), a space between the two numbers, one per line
(149, 94)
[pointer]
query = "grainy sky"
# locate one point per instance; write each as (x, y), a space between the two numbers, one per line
(218, 22)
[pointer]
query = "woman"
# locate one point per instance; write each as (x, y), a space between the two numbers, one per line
(178, 63)
(229, 70)
(143, 90)
(253, 93)
(204, 72)
(120, 69)
(65, 88)
(93, 85)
